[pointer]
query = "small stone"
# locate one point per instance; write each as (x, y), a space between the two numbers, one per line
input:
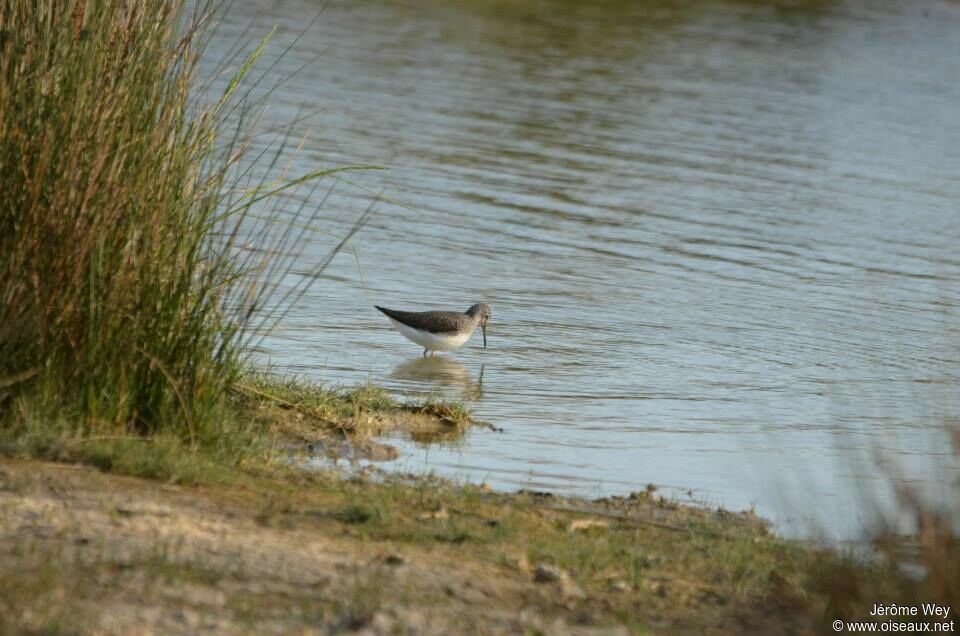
(570, 590)
(381, 623)
(586, 524)
(618, 585)
(657, 588)
(546, 573)
(394, 560)
(436, 514)
(188, 616)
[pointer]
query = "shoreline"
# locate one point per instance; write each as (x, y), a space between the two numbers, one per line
(144, 535)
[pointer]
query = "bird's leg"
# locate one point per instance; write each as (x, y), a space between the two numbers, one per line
(424, 353)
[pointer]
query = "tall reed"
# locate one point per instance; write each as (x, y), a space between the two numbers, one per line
(118, 231)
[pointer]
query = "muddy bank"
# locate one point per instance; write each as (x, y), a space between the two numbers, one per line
(346, 424)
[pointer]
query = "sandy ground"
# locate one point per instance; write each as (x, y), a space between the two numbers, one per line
(89, 552)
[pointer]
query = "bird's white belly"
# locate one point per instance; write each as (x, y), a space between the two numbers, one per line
(432, 341)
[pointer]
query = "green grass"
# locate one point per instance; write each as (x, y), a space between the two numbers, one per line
(44, 596)
(160, 456)
(340, 403)
(110, 287)
(455, 414)
(311, 398)
(262, 421)
(127, 306)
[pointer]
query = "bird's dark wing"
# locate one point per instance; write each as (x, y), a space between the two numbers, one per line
(432, 321)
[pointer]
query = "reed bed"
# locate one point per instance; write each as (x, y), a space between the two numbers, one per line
(127, 304)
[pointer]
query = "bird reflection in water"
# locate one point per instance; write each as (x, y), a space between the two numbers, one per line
(440, 372)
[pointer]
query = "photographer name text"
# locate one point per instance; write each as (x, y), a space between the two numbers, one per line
(925, 609)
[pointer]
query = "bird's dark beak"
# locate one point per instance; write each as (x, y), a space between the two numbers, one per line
(483, 326)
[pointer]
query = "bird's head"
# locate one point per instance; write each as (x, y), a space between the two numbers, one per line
(482, 310)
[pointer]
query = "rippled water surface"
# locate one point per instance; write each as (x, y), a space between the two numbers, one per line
(720, 239)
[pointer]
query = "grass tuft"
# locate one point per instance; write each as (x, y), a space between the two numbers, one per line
(355, 513)
(129, 299)
(111, 288)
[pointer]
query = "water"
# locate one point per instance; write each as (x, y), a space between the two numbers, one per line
(719, 238)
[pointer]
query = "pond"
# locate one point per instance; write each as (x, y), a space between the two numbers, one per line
(719, 238)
